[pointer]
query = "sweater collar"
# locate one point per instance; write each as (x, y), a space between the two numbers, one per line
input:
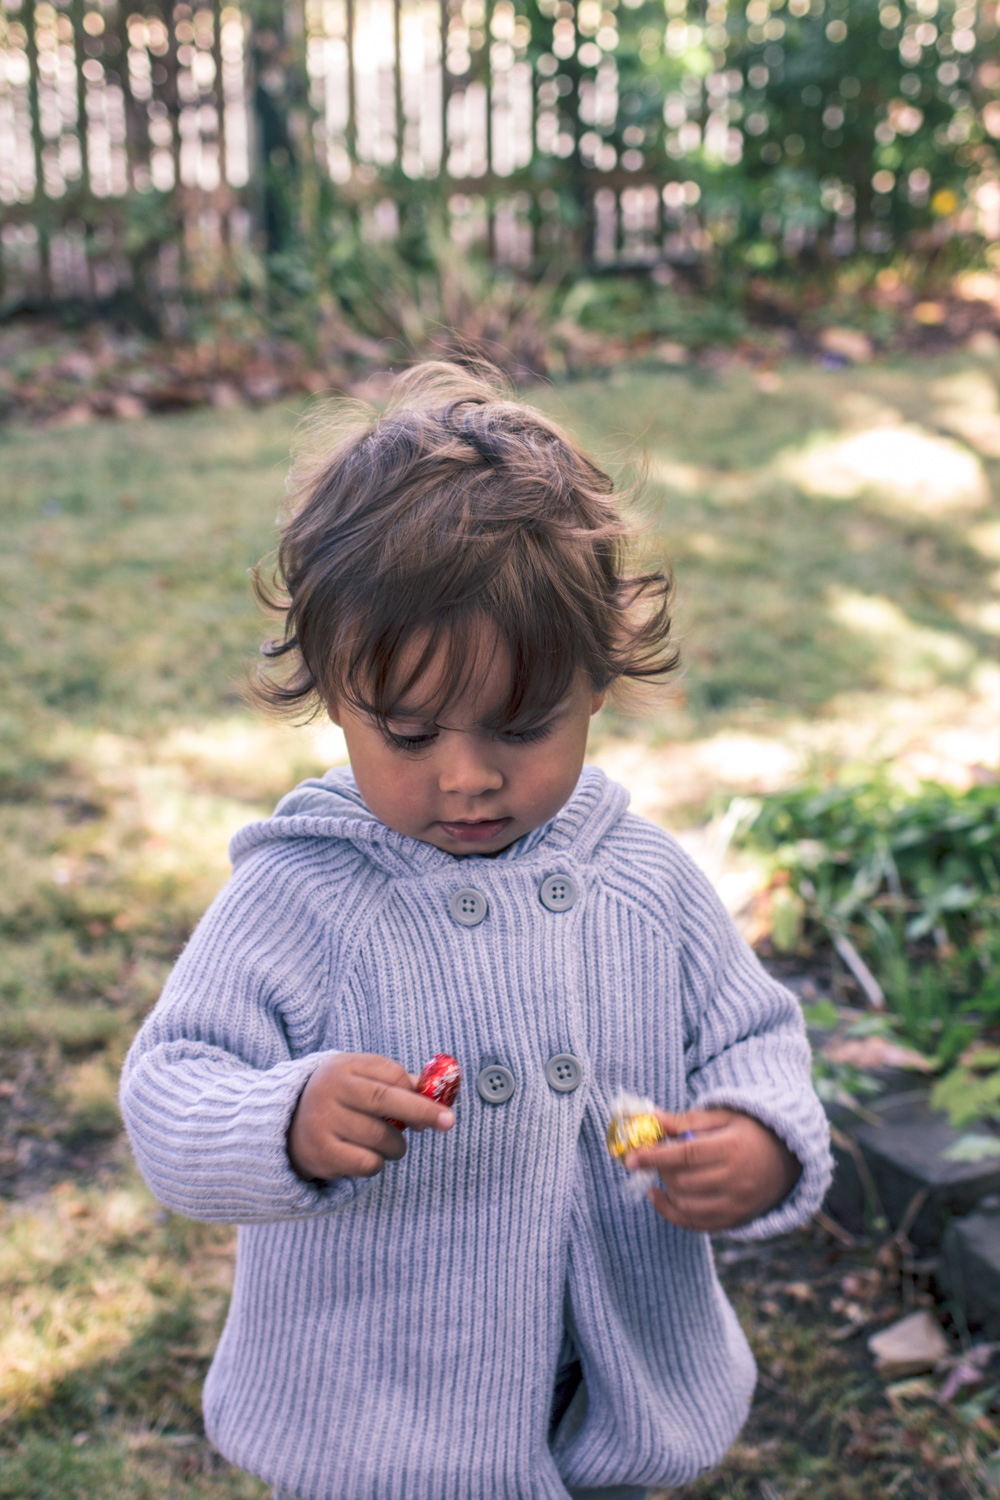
(332, 807)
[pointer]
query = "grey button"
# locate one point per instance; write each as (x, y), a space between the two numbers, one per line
(563, 1073)
(495, 1084)
(558, 892)
(469, 907)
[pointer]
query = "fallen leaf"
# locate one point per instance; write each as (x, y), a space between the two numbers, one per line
(968, 1369)
(973, 1148)
(876, 1052)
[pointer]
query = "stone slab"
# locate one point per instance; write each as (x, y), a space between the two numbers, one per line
(904, 1148)
(971, 1267)
(912, 1346)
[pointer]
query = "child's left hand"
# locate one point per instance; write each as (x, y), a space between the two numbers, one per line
(734, 1169)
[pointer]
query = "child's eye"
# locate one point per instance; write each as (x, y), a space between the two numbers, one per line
(530, 736)
(416, 742)
(411, 742)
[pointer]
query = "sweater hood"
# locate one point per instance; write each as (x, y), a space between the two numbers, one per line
(331, 807)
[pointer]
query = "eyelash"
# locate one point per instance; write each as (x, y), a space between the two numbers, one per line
(417, 742)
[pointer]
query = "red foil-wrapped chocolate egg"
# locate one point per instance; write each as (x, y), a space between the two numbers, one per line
(439, 1080)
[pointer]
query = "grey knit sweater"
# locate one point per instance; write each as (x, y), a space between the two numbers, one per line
(396, 1337)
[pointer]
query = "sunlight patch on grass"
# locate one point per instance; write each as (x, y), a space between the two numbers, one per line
(662, 778)
(984, 617)
(986, 539)
(69, 1304)
(86, 1275)
(687, 478)
(914, 657)
(925, 474)
(968, 406)
(240, 756)
(165, 810)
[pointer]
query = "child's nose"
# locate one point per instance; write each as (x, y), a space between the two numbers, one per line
(468, 768)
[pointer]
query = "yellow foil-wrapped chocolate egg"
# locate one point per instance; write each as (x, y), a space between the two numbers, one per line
(631, 1132)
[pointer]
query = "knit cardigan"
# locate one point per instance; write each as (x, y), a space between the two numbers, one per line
(396, 1337)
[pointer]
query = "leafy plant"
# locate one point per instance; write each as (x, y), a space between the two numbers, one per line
(906, 888)
(971, 1091)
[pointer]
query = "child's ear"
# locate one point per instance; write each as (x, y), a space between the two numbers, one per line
(597, 702)
(333, 712)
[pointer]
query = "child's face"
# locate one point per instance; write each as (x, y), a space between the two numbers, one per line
(456, 784)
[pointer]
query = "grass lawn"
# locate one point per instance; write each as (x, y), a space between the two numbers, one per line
(836, 538)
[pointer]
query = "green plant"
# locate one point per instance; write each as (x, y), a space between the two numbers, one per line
(971, 1091)
(905, 886)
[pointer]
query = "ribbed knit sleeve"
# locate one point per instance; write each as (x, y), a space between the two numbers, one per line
(747, 1049)
(211, 1082)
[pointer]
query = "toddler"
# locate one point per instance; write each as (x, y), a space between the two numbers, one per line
(478, 1309)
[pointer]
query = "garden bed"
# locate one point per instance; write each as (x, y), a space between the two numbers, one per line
(816, 627)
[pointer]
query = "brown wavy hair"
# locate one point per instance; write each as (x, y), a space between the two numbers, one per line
(454, 508)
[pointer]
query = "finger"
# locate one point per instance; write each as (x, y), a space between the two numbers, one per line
(700, 1185)
(700, 1218)
(393, 1095)
(381, 1069)
(703, 1212)
(374, 1094)
(371, 1133)
(356, 1161)
(676, 1123)
(675, 1213)
(674, 1156)
(414, 1111)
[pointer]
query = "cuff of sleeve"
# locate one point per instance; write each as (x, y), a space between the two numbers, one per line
(302, 1198)
(806, 1133)
(210, 1135)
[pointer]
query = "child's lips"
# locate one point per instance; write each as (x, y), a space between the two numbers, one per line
(479, 832)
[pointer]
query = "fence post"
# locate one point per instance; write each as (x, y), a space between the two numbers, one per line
(43, 219)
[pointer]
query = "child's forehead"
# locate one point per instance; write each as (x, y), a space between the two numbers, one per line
(467, 665)
(464, 670)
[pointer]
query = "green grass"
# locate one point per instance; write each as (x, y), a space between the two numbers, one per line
(813, 607)
(800, 586)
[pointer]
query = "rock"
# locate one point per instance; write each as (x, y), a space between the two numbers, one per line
(78, 365)
(76, 415)
(671, 353)
(127, 407)
(224, 394)
(849, 343)
(971, 1266)
(903, 1145)
(262, 388)
(912, 1346)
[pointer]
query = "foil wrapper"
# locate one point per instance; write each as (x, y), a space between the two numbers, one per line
(631, 1132)
(440, 1079)
(633, 1125)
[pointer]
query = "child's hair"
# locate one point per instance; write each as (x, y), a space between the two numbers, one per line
(457, 507)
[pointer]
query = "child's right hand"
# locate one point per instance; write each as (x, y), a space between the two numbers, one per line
(339, 1128)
